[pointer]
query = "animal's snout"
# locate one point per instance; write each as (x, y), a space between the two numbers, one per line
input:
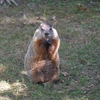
(46, 34)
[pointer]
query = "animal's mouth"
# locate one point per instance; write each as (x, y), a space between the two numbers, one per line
(49, 41)
(46, 38)
(49, 37)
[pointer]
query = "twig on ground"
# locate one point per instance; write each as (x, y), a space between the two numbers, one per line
(9, 2)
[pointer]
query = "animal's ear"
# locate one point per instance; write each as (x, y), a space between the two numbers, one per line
(41, 26)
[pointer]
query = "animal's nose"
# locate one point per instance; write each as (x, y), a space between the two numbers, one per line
(46, 34)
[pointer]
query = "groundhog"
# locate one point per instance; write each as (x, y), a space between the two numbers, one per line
(42, 58)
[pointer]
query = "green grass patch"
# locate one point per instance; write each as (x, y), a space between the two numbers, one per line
(79, 50)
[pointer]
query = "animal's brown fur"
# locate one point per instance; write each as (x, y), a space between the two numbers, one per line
(42, 58)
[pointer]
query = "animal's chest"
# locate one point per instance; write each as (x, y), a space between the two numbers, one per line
(45, 46)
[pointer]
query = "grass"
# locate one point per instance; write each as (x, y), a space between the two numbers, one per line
(79, 50)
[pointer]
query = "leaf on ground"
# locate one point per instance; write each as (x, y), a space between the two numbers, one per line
(65, 73)
(24, 72)
(60, 92)
(62, 81)
(53, 18)
(82, 8)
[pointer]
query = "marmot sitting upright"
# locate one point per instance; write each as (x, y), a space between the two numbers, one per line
(42, 58)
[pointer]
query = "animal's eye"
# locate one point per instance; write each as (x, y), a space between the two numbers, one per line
(42, 29)
(50, 29)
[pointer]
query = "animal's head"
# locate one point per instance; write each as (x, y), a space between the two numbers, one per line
(46, 31)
